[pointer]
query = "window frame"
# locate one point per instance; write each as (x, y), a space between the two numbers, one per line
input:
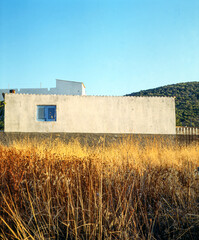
(46, 113)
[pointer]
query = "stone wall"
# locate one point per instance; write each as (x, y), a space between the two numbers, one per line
(97, 139)
(89, 139)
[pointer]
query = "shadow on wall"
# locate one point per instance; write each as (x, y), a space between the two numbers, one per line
(2, 103)
(2, 110)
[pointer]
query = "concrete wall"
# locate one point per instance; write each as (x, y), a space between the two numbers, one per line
(34, 90)
(90, 114)
(89, 139)
(62, 87)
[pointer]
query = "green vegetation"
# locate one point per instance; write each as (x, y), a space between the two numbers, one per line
(1, 115)
(187, 101)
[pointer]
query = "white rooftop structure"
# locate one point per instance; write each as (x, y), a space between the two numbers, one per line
(63, 87)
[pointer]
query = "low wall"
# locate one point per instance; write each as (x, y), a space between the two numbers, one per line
(89, 139)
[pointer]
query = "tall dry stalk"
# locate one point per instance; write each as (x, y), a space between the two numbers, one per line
(53, 190)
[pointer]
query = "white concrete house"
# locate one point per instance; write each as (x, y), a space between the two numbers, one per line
(89, 114)
(63, 87)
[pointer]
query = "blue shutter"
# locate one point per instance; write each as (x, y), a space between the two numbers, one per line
(40, 113)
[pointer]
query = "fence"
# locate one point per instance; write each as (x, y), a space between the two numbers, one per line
(187, 135)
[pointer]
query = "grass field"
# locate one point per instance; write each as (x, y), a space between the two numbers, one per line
(53, 190)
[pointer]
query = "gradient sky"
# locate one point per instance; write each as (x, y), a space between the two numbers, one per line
(114, 46)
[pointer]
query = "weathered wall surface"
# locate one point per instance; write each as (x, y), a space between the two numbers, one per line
(91, 114)
(94, 139)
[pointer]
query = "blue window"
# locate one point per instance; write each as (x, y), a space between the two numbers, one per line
(46, 113)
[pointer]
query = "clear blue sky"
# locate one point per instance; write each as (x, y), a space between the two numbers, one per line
(114, 46)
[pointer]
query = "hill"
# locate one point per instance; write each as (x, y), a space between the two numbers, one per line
(187, 101)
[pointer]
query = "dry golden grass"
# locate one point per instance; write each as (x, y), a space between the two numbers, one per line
(53, 190)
